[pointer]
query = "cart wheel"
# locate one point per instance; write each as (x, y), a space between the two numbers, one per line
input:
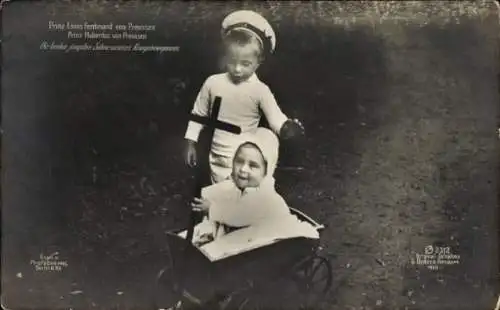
(170, 294)
(167, 292)
(313, 278)
(247, 302)
(249, 298)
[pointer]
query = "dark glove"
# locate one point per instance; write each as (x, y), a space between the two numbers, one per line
(292, 129)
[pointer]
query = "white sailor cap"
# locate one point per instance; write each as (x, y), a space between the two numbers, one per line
(252, 22)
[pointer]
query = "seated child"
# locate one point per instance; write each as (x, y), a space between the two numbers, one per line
(248, 197)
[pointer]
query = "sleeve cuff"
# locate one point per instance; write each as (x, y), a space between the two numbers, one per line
(193, 131)
(279, 124)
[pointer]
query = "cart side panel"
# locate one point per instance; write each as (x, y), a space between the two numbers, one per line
(190, 268)
(263, 265)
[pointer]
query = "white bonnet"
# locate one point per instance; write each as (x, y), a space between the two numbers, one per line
(267, 142)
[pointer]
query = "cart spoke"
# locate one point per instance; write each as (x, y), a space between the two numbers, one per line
(243, 304)
(323, 278)
(167, 290)
(308, 268)
(315, 281)
(248, 303)
(317, 264)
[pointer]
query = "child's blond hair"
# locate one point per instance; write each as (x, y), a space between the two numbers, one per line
(242, 37)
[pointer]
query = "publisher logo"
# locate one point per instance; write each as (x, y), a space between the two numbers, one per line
(435, 257)
(49, 263)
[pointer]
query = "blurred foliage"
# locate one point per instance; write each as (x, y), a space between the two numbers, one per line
(302, 12)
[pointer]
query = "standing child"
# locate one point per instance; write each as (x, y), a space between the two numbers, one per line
(247, 39)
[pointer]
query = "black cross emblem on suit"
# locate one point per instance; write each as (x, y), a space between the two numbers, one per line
(211, 123)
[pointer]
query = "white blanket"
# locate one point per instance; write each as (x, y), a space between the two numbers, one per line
(252, 237)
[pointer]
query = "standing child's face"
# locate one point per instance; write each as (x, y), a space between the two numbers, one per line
(242, 61)
(249, 167)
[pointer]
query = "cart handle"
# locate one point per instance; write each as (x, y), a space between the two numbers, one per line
(192, 223)
(306, 218)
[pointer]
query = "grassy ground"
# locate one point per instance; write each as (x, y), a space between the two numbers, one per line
(398, 101)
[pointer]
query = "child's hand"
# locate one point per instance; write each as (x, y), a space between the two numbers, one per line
(203, 239)
(200, 205)
(190, 158)
(292, 128)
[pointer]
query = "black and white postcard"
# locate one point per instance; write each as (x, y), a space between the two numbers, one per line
(250, 155)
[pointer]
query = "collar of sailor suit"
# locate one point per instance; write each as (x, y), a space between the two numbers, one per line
(251, 79)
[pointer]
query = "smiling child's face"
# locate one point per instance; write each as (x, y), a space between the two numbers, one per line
(242, 61)
(249, 167)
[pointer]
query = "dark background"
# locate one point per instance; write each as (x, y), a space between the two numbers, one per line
(401, 148)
